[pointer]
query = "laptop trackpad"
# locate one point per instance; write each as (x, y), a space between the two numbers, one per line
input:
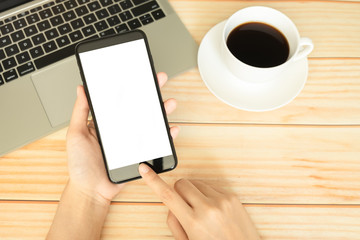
(56, 87)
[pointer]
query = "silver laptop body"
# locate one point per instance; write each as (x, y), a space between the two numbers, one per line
(37, 94)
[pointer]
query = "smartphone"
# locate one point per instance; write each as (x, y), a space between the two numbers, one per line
(126, 105)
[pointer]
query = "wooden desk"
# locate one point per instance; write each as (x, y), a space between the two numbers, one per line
(297, 169)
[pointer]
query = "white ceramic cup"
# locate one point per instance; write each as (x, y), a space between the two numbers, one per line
(299, 47)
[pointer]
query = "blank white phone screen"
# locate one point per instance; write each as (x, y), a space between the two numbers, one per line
(126, 105)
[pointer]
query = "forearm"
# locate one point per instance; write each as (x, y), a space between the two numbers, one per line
(78, 216)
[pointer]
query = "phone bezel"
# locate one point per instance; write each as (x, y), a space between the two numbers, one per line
(130, 172)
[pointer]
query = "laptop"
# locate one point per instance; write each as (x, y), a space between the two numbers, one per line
(38, 69)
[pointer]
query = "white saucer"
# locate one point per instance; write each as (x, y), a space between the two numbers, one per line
(241, 94)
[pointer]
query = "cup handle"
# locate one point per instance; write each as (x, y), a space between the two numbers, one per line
(306, 46)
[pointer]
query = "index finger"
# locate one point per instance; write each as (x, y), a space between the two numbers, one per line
(168, 195)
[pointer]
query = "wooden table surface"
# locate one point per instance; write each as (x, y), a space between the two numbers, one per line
(296, 169)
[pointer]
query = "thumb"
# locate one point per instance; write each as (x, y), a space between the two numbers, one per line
(80, 112)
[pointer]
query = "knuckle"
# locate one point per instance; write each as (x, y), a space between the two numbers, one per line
(167, 194)
(170, 219)
(179, 183)
(228, 202)
(213, 212)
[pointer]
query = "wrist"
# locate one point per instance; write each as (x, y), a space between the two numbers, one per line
(85, 195)
(81, 214)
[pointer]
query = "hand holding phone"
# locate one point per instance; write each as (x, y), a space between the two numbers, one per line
(85, 162)
(126, 105)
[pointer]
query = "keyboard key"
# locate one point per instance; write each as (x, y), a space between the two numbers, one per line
(70, 4)
(1, 79)
(134, 24)
(12, 50)
(158, 14)
(26, 44)
(126, 4)
(45, 13)
(49, 4)
(8, 28)
(125, 16)
(29, 31)
(4, 41)
(55, 56)
(26, 68)
(100, 26)
(94, 6)
(64, 29)
(9, 63)
(80, 11)
(137, 2)
(38, 8)
(23, 14)
(36, 52)
(122, 28)
(23, 57)
(101, 14)
(17, 36)
(10, 19)
(114, 9)
(75, 36)
(51, 34)
(57, 20)
(63, 41)
(114, 20)
(2, 55)
(44, 25)
(147, 7)
(83, 1)
(105, 3)
(10, 75)
(89, 30)
(58, 9)
(34, 18)
(107, 33)
(20, 23)
(146, 19)
(50, 46)
(38, 39)
(68, 16)
(89, 18)
(78, 23)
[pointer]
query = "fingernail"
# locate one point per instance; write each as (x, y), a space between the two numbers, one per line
(143, 168)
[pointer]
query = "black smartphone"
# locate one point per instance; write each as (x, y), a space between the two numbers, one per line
(126, 105)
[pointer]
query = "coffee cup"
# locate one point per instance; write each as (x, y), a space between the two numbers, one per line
(259, 43)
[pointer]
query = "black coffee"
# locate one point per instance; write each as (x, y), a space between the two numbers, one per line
(258, 44)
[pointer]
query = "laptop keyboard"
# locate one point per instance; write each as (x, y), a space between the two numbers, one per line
(46, 34)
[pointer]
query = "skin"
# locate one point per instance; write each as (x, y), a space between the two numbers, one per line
(197, 211)
(200, 211)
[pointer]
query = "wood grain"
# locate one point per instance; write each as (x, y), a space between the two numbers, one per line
(30, 221)
(331, 96)
(334, 26)
(297, 169)
(262, 164)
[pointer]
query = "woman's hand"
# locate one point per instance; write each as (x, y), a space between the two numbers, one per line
(199, 211)
(86, 166)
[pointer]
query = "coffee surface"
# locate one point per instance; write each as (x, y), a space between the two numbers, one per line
(258, 44)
